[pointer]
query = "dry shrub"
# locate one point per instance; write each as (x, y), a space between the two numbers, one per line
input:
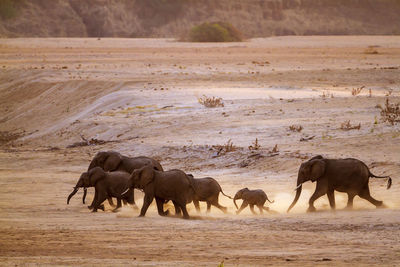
(210, 102)
(255, 145)
(347, 126)
(391, 112)
(222, 149)
(215, 32)
(295, 128)
(356, 91)
(371, 50)
(275, 149)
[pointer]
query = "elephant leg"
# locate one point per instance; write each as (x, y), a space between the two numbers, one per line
(184, 211)
(110, 201)
(320, 190)
(119, 205)
(94, 200)
(148, 198)
(260, 207)
(177, 208)
(196, 205)
(252, 209)
(222, 208)
(208, 207)
(350, 200)
(317, 194)
(244, 205)
(160, 207)
(365, 194)
(101, 196)
(331, 197)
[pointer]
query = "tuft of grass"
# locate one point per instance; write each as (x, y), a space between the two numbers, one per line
(223, 149)
(391, 112)
(275, 149)
(215, 32)
(210, 102)
(255, 145)
(356, 91)
(295, 128)
(371, 50)
(347, 126)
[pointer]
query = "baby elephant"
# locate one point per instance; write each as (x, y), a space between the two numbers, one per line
(109, 184)
(251, 197)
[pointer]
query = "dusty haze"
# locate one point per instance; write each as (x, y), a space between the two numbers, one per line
(140, 95)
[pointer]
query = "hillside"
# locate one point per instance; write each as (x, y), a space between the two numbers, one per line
(158, 18)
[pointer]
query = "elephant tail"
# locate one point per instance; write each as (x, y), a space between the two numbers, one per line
(270, 200)
(389, 182)
(225, 194)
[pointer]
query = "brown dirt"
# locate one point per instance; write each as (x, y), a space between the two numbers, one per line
(141, 95)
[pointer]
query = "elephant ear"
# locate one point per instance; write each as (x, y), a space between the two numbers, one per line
(146, 176)
(94, 175)
(317, 169)
(112, 161)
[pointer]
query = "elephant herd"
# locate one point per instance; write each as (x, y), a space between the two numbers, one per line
(116, 176)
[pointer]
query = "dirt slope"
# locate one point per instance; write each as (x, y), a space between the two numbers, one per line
(140, 95)
(155, 18)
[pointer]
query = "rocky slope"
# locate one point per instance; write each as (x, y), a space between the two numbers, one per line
(158, 18)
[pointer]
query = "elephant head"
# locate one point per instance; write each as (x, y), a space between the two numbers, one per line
(140, 178)
(107, 160)
(87, 179)
(239, 195)
(310, 170)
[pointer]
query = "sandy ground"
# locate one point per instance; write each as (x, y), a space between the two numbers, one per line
(141, 95)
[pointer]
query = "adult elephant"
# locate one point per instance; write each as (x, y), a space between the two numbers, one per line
(107, 185)
(163, 186)
(207, 189)
(349, 175)
(114, 161)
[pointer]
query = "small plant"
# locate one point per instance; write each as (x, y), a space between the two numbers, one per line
(222, 149)
(356, 91)
(210, 102)
(347, 126)
(215, 32)
(275, 149)
(389, 92)
(255, 145)
(295, 128)
(391, 112)
(371, 50)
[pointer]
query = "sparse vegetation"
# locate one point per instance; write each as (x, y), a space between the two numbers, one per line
(215, 32)
(255, 145)
(295, 128)
(222, 149)
(356, 91)
(371, 50)
(391, 112)
(347, 126)
(210, 102)
(8, 8)
(275, 149)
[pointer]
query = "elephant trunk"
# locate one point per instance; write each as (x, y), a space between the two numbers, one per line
(84, 195)
(298, 192)
(72, 194)
(234, 201)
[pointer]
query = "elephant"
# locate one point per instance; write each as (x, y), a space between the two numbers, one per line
(207, 189)
(163, 186)
(107, 184)
(347, 175)
(253, 198)
(114, 161)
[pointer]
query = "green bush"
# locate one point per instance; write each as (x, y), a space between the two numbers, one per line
(7, 9)
(215, 32)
